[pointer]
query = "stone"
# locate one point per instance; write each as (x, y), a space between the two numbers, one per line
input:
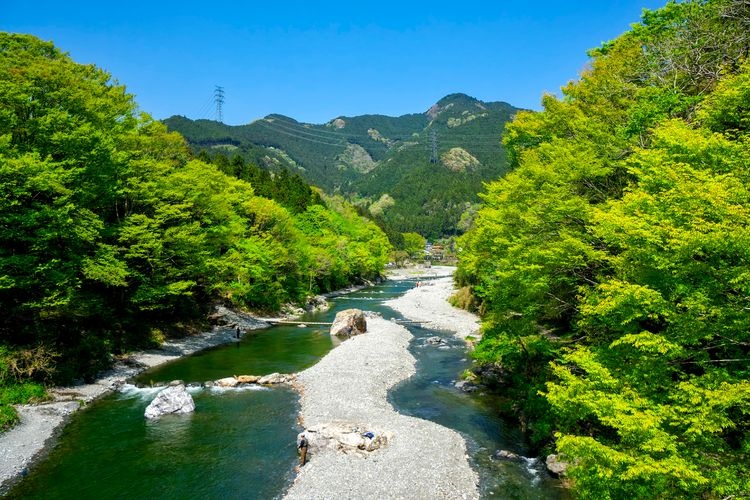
(227, 382)
(436, 341)
(556, 466)
(345, 437)
(349, 322)
(228, 318)
(466, 386)
(248, 379)
(317, 303)
(275, 378)
(172, 400)
(506, 455)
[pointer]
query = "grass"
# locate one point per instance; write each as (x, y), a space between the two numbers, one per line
(24, 393)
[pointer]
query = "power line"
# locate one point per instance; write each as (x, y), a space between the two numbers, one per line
(300, 137)
(219, 100)
(302, 130)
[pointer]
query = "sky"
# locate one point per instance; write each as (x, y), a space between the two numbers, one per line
(317, 60)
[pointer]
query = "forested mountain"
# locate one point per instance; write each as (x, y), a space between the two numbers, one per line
(612, 264)
(112, 234)
(417, 172)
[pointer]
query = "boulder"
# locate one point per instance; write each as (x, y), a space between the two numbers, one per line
(466, 386)
(345, 437)
(223, 316)
(439, 341)
(317, 303)
(173, 399)
(349, 322)
(275, 378)
(248, 379)
(227, 382)
(506, 455)
(556, 466)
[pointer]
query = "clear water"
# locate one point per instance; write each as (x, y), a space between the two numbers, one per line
(240, 443)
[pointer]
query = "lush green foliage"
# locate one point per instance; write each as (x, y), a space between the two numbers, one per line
(109, 231)
(612, 263)
(367, 157)
(15, 367)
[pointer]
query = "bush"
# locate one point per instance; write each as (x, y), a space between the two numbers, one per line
(18, 394)
(464, 299)
(8, 417)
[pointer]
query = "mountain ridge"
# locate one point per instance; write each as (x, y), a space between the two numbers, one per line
(432, 164)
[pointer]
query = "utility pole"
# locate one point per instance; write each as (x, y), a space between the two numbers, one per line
(219, 100)
(434, 144)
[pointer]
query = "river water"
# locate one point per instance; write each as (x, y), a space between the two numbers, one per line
(240, 443)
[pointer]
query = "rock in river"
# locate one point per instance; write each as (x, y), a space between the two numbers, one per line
(556, 466)
(173, 399)
(349, 322)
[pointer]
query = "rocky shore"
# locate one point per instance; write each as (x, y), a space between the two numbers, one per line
(385, 352)
(348, 389)
(429, 303)
(378, 452)
(28, 441)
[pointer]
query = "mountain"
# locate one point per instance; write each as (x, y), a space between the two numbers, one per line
(417, 172)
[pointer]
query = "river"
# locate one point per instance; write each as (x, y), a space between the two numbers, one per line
(240, 443)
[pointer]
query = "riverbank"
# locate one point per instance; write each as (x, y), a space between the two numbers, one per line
(28, 442)
(429, 303)
(40, 424)
(349, 387)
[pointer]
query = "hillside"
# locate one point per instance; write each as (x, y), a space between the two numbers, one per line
(382, 163)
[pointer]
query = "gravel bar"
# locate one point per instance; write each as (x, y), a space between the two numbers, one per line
(350, 384)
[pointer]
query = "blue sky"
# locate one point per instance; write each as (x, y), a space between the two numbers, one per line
(317, 60)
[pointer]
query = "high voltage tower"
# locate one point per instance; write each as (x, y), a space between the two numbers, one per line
(219, 100)
(434, 146)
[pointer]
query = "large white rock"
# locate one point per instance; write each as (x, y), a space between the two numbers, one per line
(173, 399)
(349, 322)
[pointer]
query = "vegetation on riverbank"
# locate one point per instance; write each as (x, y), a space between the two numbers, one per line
(612, 263)
(111, 232)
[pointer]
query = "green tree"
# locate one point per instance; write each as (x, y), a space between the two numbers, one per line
(612, 262)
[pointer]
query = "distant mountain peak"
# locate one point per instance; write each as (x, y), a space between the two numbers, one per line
(461, 102)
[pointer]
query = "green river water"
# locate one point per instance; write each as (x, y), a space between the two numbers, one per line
(240, 443)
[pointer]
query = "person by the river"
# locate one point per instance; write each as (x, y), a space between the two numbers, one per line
(302, 449)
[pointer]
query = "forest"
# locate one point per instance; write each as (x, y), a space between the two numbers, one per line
(612, 265)
(114, 236)
(371, 158)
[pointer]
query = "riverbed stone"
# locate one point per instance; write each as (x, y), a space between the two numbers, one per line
(227, 382)
(345, 437)
(248, 379)
(349, 322)
(317, 303)
(556, 466)
(229, 318)
(507, 455)
(172, 400)
(439, 341)
(275, 378)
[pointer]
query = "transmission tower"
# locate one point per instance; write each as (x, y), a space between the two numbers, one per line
(219, 100)
(434, 145)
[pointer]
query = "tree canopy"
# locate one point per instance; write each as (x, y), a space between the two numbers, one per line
(110, 230)
(613, 262)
